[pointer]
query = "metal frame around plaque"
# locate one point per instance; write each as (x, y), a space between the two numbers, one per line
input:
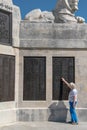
(5, 27)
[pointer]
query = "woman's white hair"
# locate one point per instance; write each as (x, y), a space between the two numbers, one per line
(72, 85)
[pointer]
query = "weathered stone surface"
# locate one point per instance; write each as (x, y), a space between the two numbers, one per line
(6, 5)
(53, 114)
(44, 35)
(52, 31)
(8, 2)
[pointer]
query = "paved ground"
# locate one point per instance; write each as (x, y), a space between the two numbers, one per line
(43, 126)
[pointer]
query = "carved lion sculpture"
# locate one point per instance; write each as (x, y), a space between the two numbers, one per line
(64, 12)
(37, 15)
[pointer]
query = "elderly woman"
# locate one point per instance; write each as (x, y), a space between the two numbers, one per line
(72, 101)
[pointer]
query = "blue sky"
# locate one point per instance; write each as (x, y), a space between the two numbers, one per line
(28, 5)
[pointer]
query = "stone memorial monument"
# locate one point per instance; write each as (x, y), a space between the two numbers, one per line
(34, 54)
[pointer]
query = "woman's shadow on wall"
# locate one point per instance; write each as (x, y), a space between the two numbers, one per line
(58, 112)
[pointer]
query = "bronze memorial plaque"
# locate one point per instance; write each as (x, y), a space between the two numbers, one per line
(7, 77)
(34, 78)
(62, 67)
(5, 27)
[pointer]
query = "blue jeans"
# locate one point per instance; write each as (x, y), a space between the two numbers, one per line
(73, 114)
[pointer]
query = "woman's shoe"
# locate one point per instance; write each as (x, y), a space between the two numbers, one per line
(74, 123)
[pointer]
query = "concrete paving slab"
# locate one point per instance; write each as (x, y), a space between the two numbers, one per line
(44, 126)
